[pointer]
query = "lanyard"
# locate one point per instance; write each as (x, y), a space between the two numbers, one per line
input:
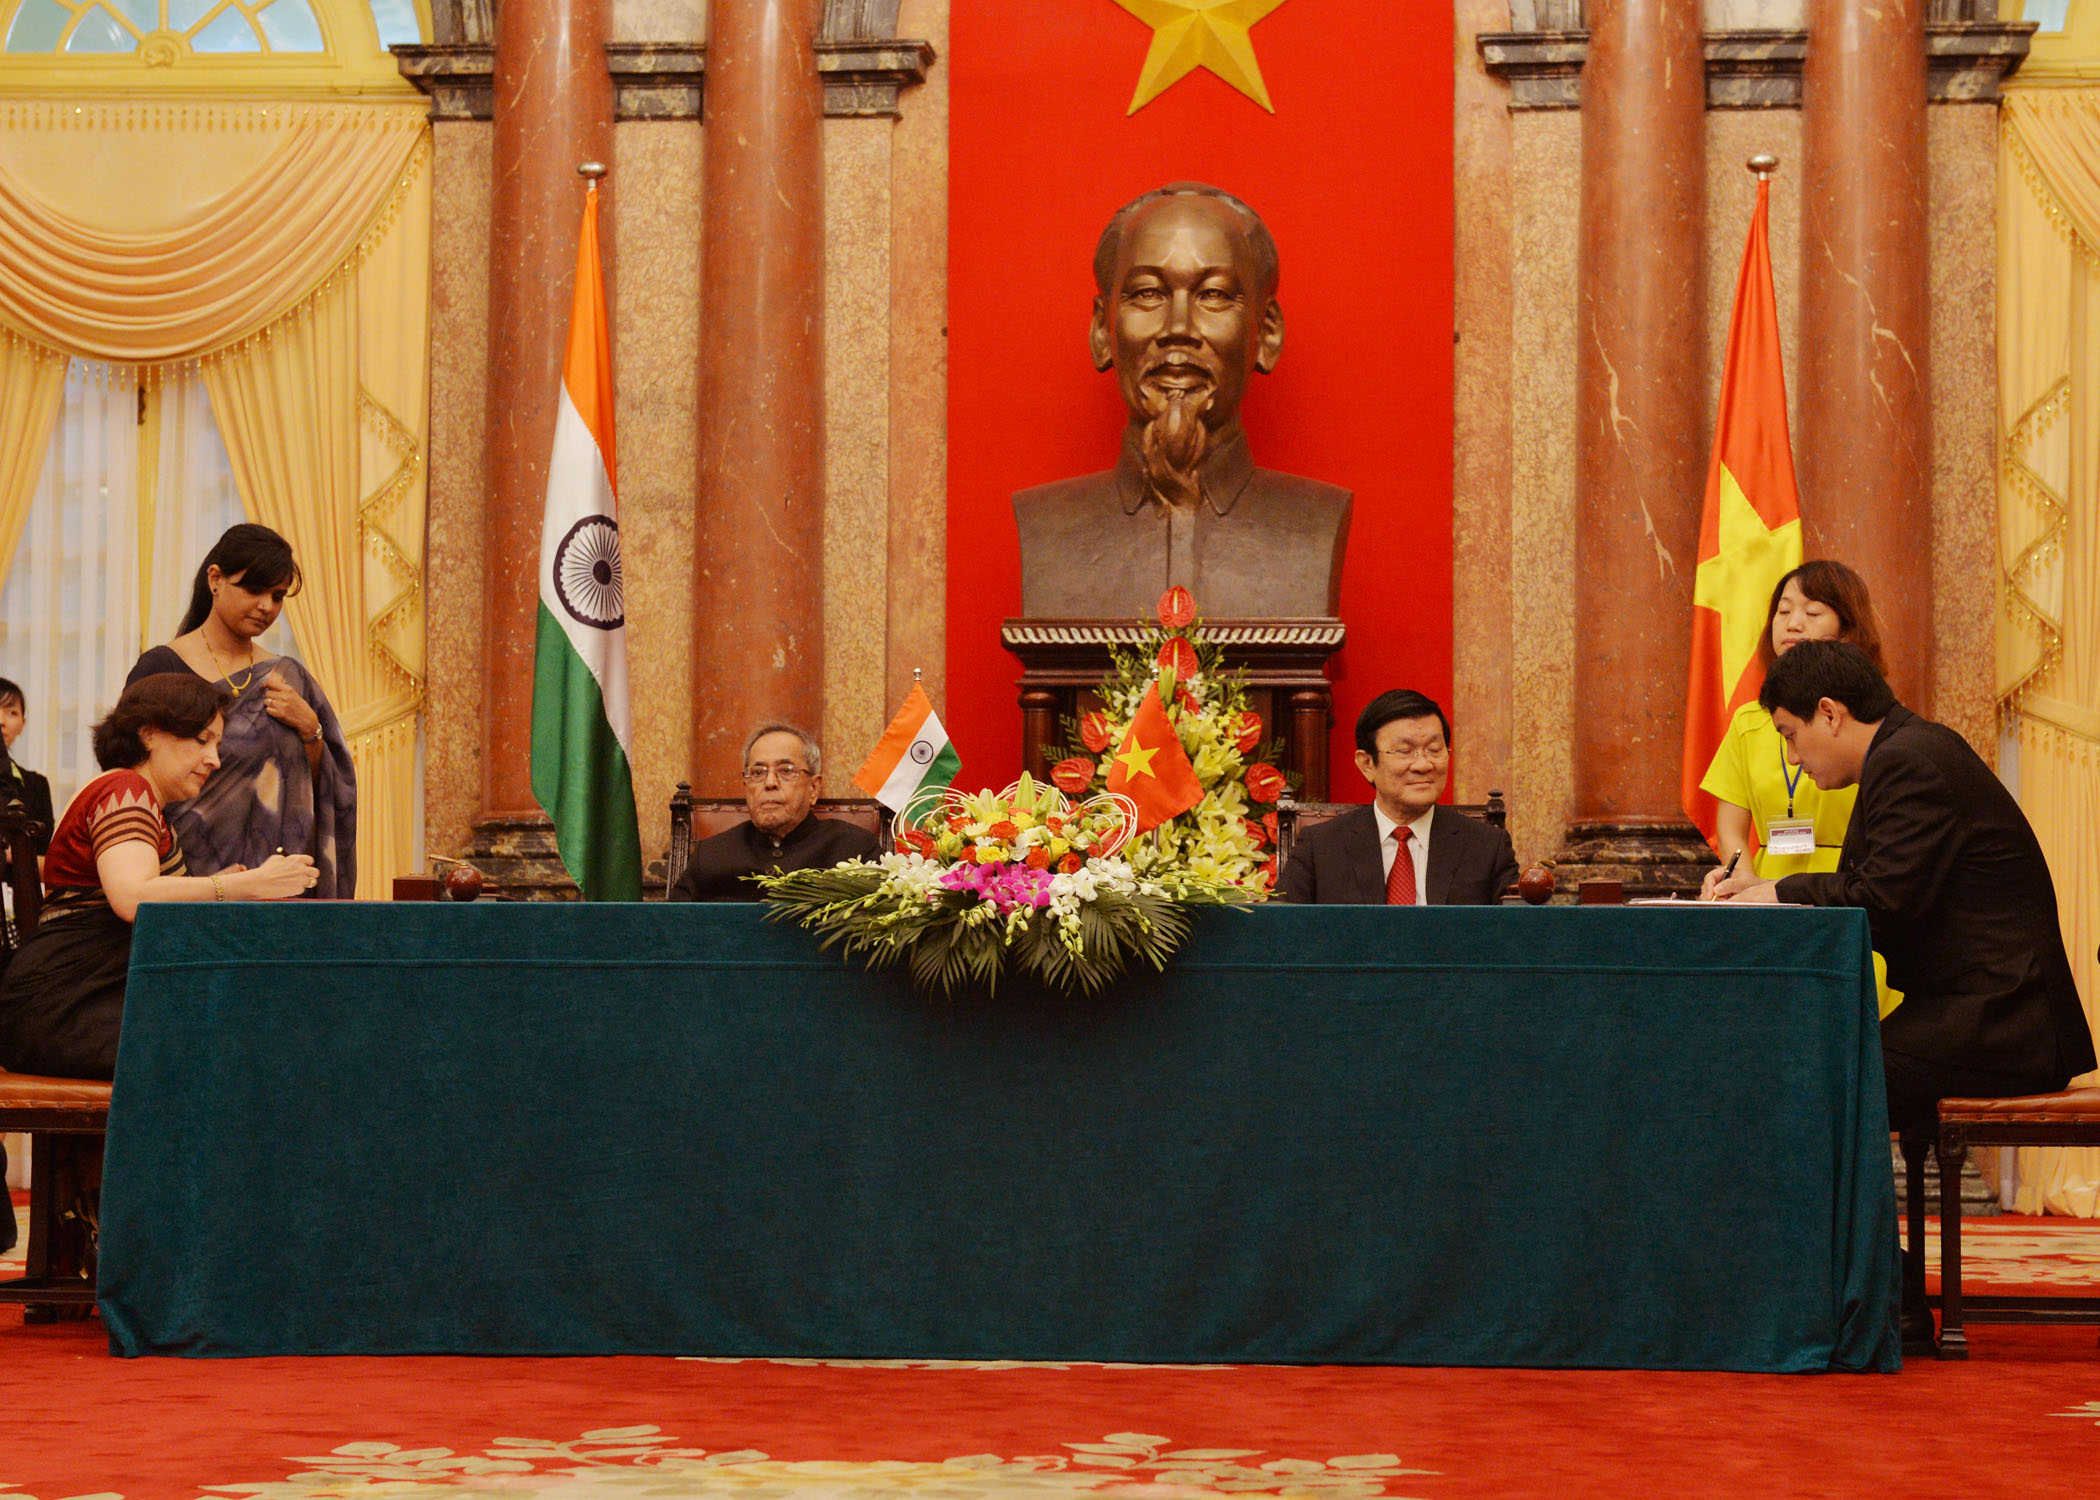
(1792, 778)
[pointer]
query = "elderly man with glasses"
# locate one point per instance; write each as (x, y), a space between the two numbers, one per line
(783, 773)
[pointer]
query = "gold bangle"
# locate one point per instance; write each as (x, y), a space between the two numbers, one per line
(218, 891)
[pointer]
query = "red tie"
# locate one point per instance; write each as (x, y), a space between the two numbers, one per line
(1400, 884)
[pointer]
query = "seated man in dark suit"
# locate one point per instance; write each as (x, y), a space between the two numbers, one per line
(783, 773)
(1954, 883)
(1404, 849)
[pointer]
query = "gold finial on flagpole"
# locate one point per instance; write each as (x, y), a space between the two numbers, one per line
(592, 169)
(1764, 164)
(915, 674)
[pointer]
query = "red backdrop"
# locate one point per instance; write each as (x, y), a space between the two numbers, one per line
(1353, 175)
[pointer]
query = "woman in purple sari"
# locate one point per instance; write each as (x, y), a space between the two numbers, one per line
(285, 783)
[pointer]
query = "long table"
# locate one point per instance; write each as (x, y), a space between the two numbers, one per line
(1497, 1136)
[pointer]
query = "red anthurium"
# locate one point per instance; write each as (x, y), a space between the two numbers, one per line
(1072, 777)
(1177, 608)
(1250, 732)
(1095, 732)
(1178, 656)
(1264, 782)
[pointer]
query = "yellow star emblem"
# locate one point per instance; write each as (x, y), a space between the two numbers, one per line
(1736, 582)
(1137, 760)
(1192, 34)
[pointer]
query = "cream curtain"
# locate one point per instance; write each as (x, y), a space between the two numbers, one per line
(69, 627)
(2049, 531)
(31, 380)
(284, 250)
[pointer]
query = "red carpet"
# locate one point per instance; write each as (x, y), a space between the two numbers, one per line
(2020, 1419)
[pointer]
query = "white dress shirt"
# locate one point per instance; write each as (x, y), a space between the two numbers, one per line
(1417, 848)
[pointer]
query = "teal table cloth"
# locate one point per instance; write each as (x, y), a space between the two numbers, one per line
(1625, 1137)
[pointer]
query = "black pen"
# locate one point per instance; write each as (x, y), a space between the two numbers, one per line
(1730, 868)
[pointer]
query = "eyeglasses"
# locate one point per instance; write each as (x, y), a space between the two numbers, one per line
(782, 772)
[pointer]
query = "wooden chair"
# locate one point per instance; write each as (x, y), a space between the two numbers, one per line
(2071, 1118)
(20, 835)
(1292, 817)
(64, 1118)
(695, 818)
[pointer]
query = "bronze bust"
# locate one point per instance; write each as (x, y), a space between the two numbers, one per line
(1186, 311)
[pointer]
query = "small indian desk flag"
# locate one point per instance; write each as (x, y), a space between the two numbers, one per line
(912, 755)
(580, 767)
(1750, 531)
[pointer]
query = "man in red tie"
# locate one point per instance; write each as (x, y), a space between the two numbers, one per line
(1404, 849)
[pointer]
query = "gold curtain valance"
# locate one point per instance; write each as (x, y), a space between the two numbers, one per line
(216, 271)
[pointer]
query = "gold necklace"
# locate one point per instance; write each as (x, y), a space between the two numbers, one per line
(236, 686)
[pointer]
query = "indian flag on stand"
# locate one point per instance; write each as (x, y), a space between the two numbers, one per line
(581, 772)
(1750, 531)
(912, 755)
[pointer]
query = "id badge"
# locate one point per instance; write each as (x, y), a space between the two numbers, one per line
(1791, 836)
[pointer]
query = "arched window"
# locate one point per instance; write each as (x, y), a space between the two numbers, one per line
(276, 46)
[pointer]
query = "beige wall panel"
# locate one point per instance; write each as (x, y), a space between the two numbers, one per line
(1480, 438)
(1961, 197)
(655, 245)
(918, 447)
(857, 215)
(1546, 158)
(659, 20)
(459, 345)
(1733, 136)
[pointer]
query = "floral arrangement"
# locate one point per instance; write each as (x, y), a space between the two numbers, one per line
(1022, 880)
(1230, 835)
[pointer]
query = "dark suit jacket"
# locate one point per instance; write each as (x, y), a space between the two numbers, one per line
(716, 868)
(1962, 907)
(1339, 863)
(35, 794)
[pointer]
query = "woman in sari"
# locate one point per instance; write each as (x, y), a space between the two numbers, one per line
(285, 782)
(62, 1002)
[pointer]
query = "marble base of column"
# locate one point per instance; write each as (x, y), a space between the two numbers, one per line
(520, 860)
(1651, 858)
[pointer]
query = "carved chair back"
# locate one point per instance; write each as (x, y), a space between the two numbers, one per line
(695, 818)
(1292, 818)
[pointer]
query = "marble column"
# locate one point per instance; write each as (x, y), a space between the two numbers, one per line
(1641, 423)
(1864, 444)
(554, 109)
(758, 627)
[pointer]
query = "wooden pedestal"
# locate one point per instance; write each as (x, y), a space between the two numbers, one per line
(1285, 661)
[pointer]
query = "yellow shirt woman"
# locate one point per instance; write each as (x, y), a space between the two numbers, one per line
(1751, 770)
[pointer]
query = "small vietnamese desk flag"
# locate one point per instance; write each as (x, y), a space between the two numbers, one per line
(912, 755)
(580, 764)
(1750, 532)
(1150, 769)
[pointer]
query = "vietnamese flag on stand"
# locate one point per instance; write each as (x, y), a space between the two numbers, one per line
(1150, 769)
(1750, 532)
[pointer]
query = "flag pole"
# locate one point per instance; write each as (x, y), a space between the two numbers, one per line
(592, 169)
(1764, 164)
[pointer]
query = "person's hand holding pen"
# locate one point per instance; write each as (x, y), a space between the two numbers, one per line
(1709, 888)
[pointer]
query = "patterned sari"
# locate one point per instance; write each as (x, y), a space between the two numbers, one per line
(264, 796)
